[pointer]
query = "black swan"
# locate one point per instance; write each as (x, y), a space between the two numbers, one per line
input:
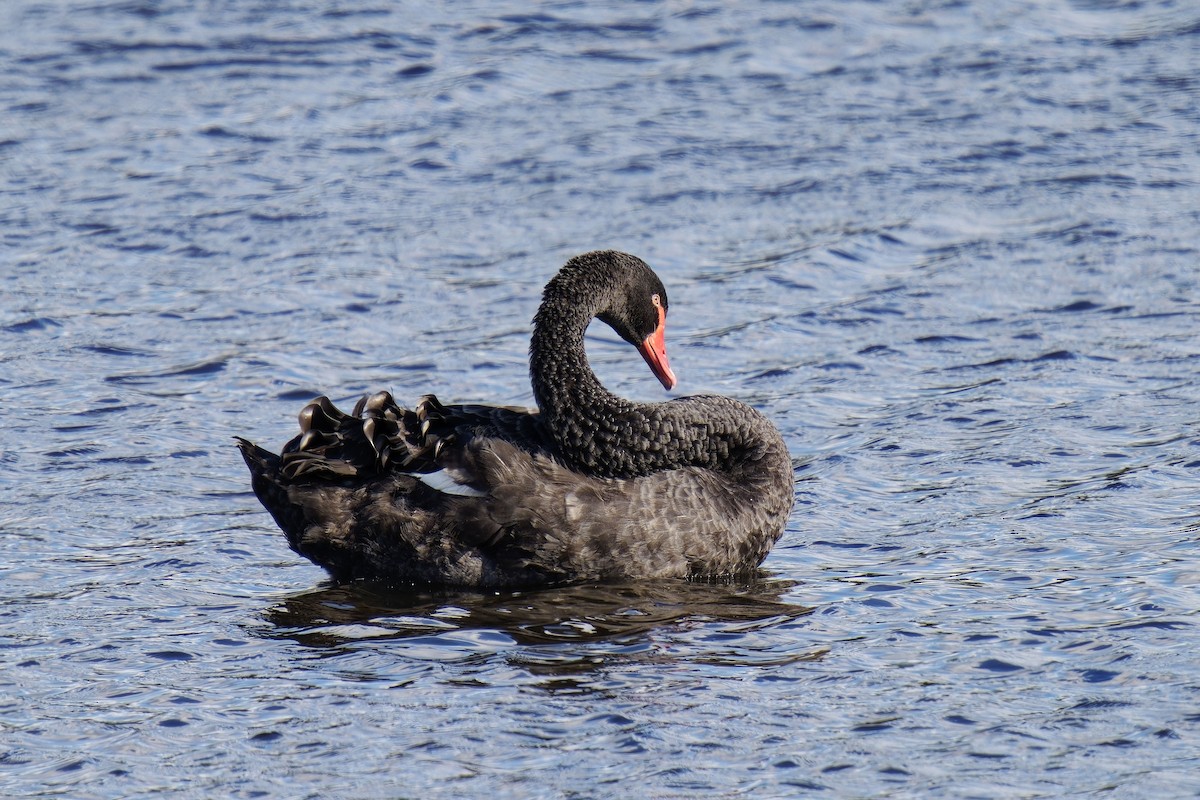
(589, 487)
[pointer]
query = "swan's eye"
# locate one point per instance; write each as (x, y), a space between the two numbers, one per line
(654, 298)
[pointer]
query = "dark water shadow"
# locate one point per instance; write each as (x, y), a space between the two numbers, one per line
(332, 616)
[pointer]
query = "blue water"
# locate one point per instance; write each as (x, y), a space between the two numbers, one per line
(951, 248)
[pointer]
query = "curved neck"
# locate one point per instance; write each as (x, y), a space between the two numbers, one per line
(594, 429)
(603, 434)
(569, 395)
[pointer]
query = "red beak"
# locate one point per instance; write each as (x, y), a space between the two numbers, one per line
(654, 350)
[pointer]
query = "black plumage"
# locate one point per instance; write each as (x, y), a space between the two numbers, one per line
(588, 487)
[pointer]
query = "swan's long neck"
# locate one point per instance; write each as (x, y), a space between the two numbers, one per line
(602, 434)
(595, 430)
(590, 424)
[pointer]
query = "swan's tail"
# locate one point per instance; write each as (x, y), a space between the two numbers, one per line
(271, 492)
(341, 511)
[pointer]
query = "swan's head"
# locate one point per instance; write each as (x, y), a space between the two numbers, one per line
(637, 310)
(619, 290)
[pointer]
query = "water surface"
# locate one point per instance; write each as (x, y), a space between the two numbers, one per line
(950, 248)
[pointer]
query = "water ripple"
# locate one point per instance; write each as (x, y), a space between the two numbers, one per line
(950, 251)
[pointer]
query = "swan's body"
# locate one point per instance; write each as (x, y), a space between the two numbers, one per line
(592, 487)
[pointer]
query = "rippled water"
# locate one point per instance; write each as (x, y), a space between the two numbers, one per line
(949, 247)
